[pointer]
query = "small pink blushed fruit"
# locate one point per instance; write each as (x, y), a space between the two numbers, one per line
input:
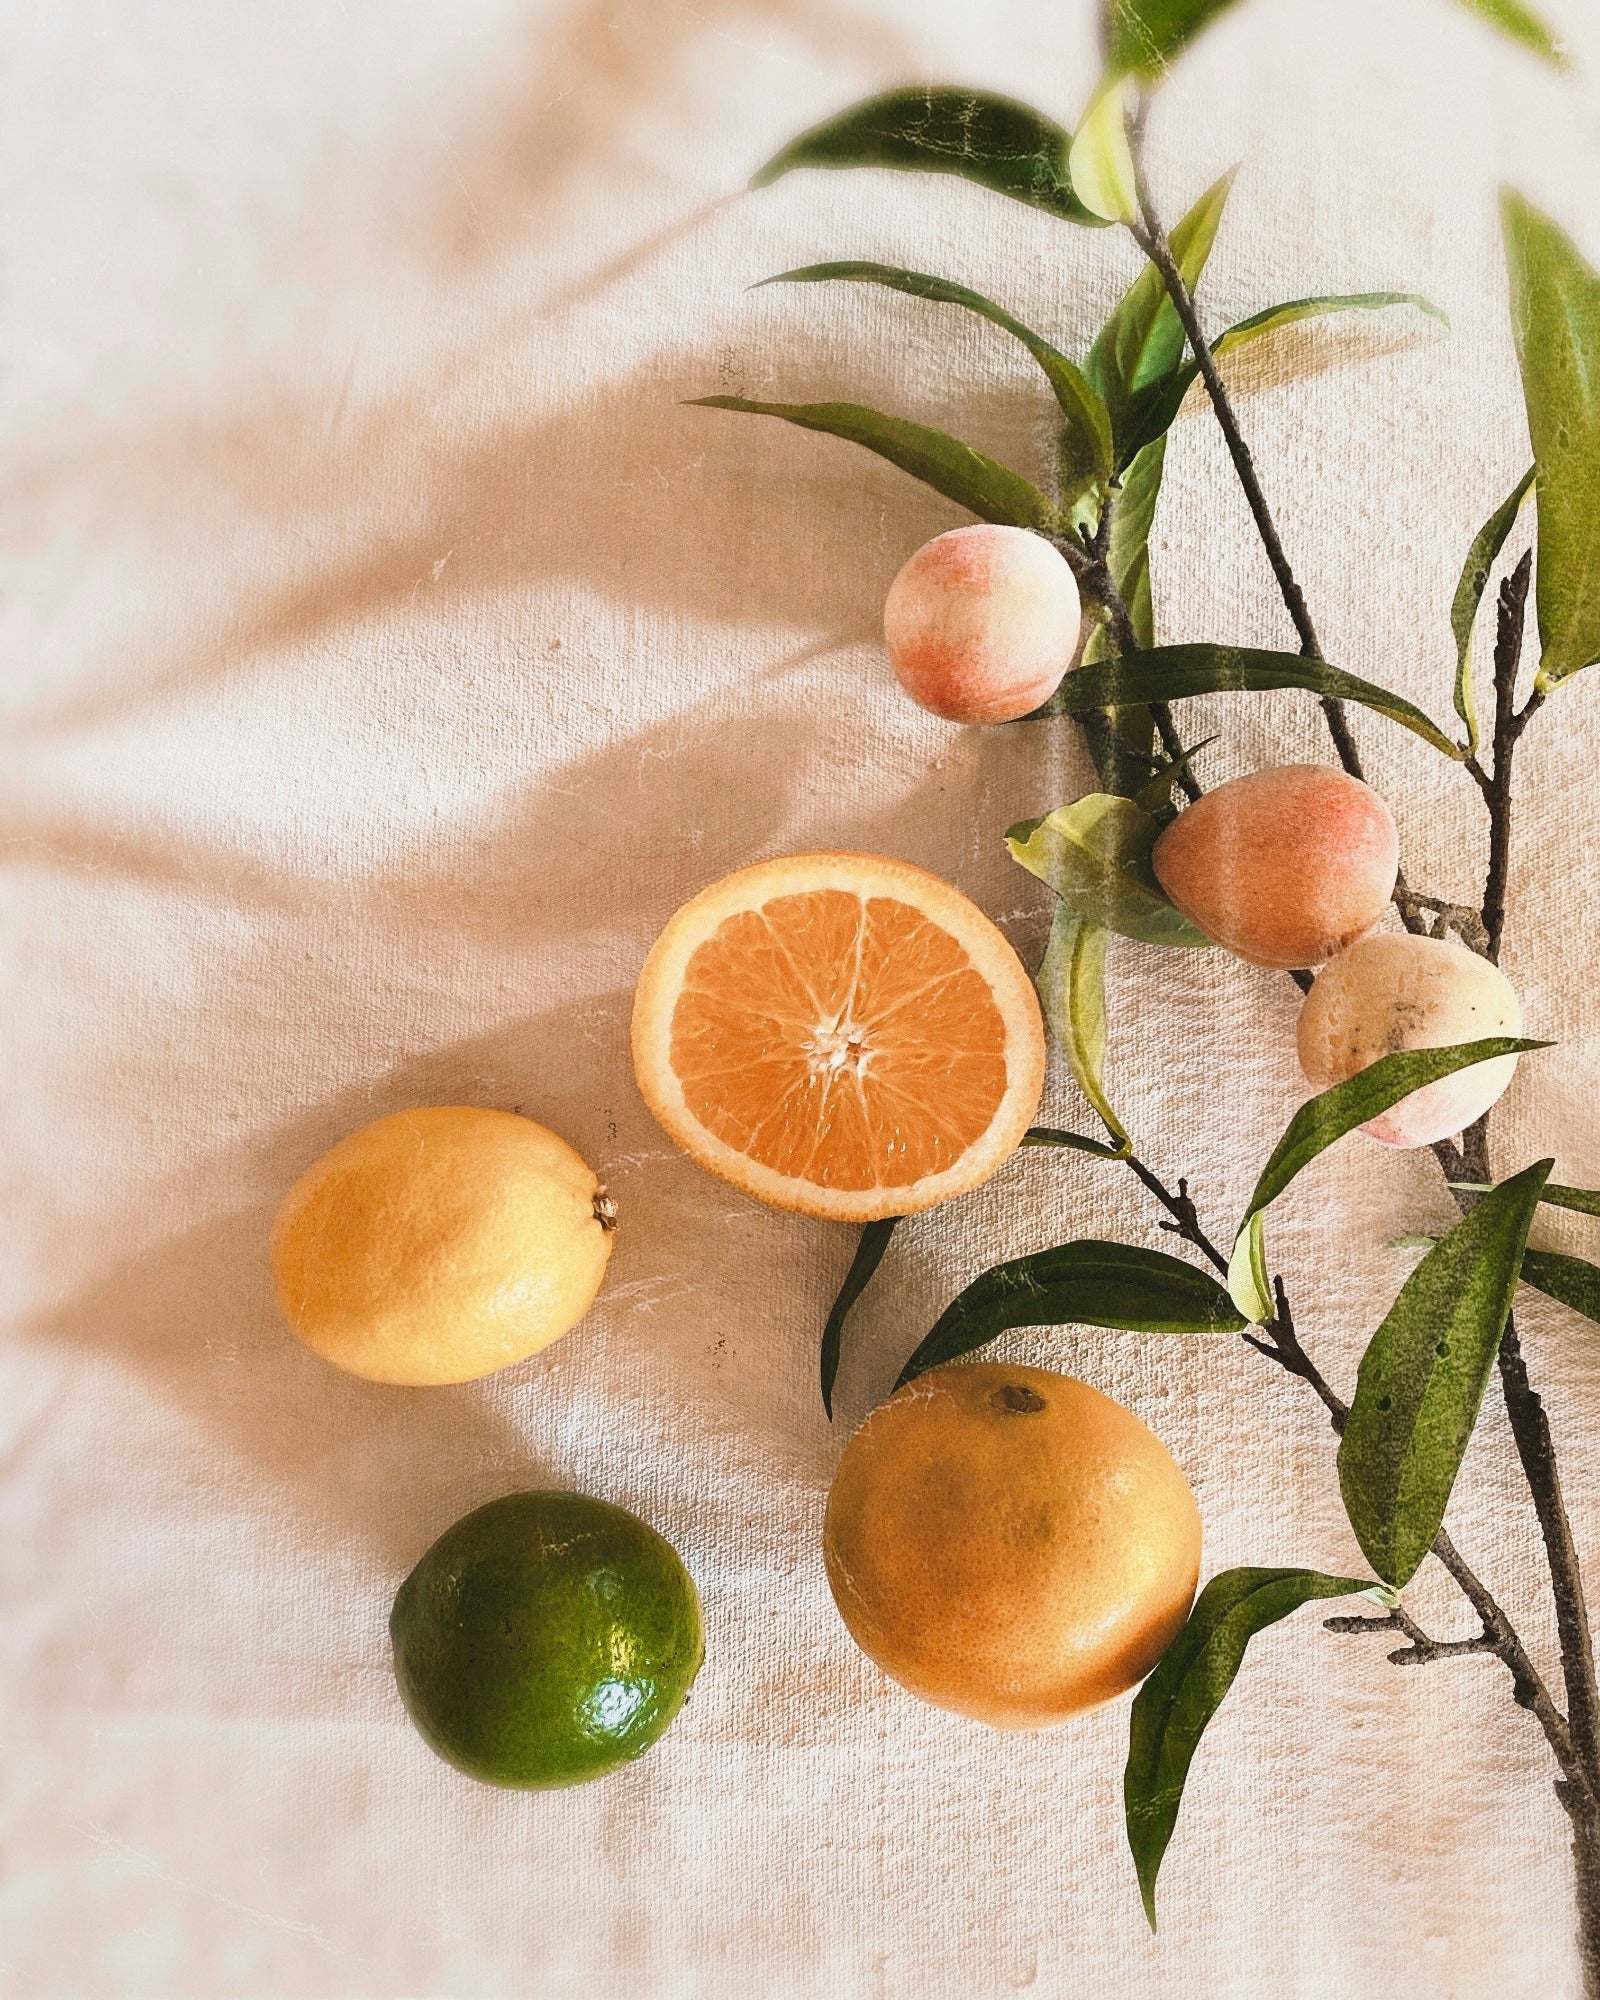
(982, 623)
(1400, 992)
(1284, 867)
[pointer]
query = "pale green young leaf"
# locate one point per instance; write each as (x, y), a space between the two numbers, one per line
(1100, 162)
(993, 141)
(1095, 854)
(1088, 1283)
(1072, 991)
(1086, 425)
(1555, 316)
(971, 478)
(1422, 1378)
(1481, 557)
(1249, 1284)
(1171, 1711)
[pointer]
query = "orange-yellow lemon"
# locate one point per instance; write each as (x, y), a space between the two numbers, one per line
(1011, 1544)
(440, 1244)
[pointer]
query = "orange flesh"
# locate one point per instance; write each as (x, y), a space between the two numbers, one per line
(850, 1044)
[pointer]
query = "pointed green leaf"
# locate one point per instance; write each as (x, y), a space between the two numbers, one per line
(1422, 1379)
(1128, 556)
(972, 479)
(1072, 990)
(1571, 1281)
(1048, 1135)
(1490, 540)
(1095, 854)
(1263, 325)
(1161, 409)
(1586, 1201)
(1154, 797)
(1078, 1284)
(1171, 1711)
(1169, 673)
(1140, 347)
(994, 141)
(1555, 315)
(1100, 162)
(1143, 36)
(1327, 1117)
(1522, 25)
(1086, 456)
(869, 1255)
(1249, 1284)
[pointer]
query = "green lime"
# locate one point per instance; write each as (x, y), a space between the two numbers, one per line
(546, 1639)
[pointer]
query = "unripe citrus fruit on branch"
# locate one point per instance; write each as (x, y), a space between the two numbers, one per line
(1283, 867)
(1009, 1543)
(439, 1244)
(1394, 992)
(545, 1639)
(982, 623)
(839, 1034)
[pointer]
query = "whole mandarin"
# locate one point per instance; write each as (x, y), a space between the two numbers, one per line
(1011, 1544)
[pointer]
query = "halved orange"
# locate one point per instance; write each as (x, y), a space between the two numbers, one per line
(839, 1034)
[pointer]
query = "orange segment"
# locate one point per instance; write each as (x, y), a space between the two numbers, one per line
(840, 1034)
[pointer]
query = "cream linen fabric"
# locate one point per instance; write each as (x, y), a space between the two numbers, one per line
(388, 653)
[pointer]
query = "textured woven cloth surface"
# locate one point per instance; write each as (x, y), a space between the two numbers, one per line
(388, 652)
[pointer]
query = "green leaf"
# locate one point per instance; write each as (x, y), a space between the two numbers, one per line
(1161, 410)
(1522, 25)
(1157, 795)
(1095, 854)
(973, 480)
(1087, 426)
(1143, 36)
(1555, 315)
(1490, 540)
(994, 141)
(1078, 1284)
(1048, 1135)
(1327, 1117)
(1133, 508)
(1586, 1201)
(1422, 1379)
(1072, 989)
(1171, 1711)
(1169, 673)
(1140, 347)
(1100, 162)
(1571, 1281)
(869, 1255)
(1262, 325)
(1128, 556)
(1249, 1284)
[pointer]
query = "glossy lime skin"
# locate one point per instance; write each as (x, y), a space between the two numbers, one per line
(545, 1639)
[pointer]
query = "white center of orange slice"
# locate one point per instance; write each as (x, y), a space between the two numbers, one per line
(840, 1034)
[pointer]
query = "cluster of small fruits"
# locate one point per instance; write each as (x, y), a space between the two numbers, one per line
(847, 1036)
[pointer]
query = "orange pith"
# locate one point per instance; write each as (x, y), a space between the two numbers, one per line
(850, 1042)
(841, 1034)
